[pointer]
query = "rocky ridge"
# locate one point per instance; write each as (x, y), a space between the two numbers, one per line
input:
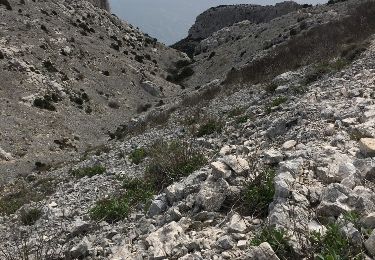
(74, 74)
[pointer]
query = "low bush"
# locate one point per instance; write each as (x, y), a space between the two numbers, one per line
(30, 216)
(113, 209)
(278, 240)
(171, 161)
(88, 171)
(275, 103)
(138, 155)
(208, 127)
(258, 194)
(334, 245)
(20, 193)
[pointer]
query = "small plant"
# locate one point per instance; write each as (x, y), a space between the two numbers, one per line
(88, 171)
(138, 155)
(242, 119)
(278, 240)
(275, 103)
(209, 127)
(237, 111)
(271, 87)
(258, 194)
(21, 193)
(117, 208)
(334, 245)
(30, 216)
(171, 161)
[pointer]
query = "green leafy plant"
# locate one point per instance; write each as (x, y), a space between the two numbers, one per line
(278, 240)
(171, 161)
(138, 155)
(116, 208)
(258, 194)
(334, 245)
(88, 171)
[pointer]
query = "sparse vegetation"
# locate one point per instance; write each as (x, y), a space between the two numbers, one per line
(327, 40)
(171, 161)
(334, 245)
(275, 103)
(20, 193)
(208, 127)
(271, 87)
(258, 194)
(138, 155)
(116, 208)
(88, 171)
(28, 217)
(278, 240)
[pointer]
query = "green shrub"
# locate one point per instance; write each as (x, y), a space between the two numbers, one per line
(117, 208)
(275, 103)
(271, 87)
(209, 127)
(21, 193)
(278, 240)
(334, 245)
(30, 216)
(171, 161)
(258, 194)
(138, 155)
(88, 171)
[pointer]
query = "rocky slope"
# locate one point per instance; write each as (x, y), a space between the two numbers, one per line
(217, 18)
(70, 74)
(246, 42)
(279, 169)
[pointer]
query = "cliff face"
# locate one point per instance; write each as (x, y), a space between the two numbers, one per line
(104, 4)
(219, 17)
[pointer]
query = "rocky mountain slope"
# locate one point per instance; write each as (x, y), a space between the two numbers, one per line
(71, 73)
(247, 42)
(217, 18)
(277, 166)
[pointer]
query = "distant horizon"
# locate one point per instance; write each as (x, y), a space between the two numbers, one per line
(170, 20)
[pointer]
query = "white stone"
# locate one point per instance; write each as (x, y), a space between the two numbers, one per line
(237, 224)
(220, 170)
(242, 244)
(369, 220)
(367, 146)
(165, 239)
(273, 156)
(289, 144)
(238, 164)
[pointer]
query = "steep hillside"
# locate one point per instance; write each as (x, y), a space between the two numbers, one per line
(104, 4)
(217, 18)
(245, 43)
(70, 73)
(274, 161)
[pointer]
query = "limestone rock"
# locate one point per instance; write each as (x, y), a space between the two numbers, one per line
(237, 224)
(238, 164)
(369, 220)
(163, 240)
(262, 252)
(220, 170)
(367, 146)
